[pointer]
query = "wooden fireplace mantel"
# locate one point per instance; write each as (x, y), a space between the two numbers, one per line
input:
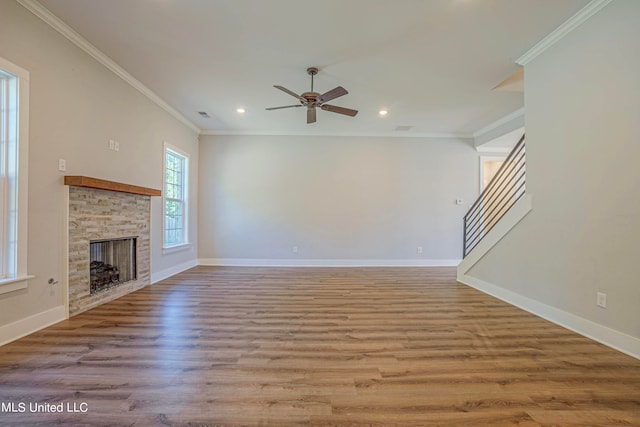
(102, 184)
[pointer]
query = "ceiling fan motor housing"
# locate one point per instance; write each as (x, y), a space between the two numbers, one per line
(310, 97)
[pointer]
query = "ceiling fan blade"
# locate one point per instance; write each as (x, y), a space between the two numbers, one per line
(285, 90)
(285, 106)
(311, 115)
(339, 110)
(332, 94)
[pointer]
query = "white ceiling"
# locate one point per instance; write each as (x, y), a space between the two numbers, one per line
(431, 63)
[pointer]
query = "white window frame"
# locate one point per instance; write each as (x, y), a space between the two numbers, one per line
(185, 244)
(14, 155)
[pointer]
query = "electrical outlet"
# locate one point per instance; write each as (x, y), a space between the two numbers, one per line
(62, 165)
(112, 144)
(419, 250)
(601, 299)
(294, 249)
(116, 146)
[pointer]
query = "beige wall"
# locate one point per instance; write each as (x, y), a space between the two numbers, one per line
(582, 109)
(336, 198)
(76, 106)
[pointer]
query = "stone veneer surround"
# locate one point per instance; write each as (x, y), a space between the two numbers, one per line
(102, 214)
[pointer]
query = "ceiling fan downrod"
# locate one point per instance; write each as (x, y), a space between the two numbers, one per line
(312, 71)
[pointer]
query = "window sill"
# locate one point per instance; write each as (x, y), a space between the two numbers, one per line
(176, 248)
(14, 284)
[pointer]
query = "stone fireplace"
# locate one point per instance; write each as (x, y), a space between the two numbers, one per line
(109, 241)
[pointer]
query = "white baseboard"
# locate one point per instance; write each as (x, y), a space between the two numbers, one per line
(602, 334)
(168, 272)
(259, 262)
(31, 324)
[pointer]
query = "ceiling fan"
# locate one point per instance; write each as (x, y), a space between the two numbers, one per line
(312, 99)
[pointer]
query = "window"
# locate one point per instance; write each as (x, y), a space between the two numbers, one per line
(14, 150)
(176, 164)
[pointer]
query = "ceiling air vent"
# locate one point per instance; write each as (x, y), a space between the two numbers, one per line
(403, 128)
(204, 114)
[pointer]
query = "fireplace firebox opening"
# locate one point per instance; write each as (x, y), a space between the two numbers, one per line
(111, 263)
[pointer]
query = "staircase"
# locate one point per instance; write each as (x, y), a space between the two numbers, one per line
(502, 192)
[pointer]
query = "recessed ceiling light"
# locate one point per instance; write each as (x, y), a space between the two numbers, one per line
(240, 111)
(383, 112)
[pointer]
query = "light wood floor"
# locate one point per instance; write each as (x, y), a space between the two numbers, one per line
(317, 347)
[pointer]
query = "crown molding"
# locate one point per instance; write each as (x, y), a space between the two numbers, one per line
(463, 136)
(500, 122)
(569, 25)
(57, 24)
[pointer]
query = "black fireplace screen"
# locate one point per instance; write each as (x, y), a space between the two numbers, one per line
(112, 262)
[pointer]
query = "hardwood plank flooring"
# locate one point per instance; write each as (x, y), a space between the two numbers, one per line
(315, 347)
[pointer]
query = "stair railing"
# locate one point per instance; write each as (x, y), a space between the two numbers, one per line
(502, 192)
